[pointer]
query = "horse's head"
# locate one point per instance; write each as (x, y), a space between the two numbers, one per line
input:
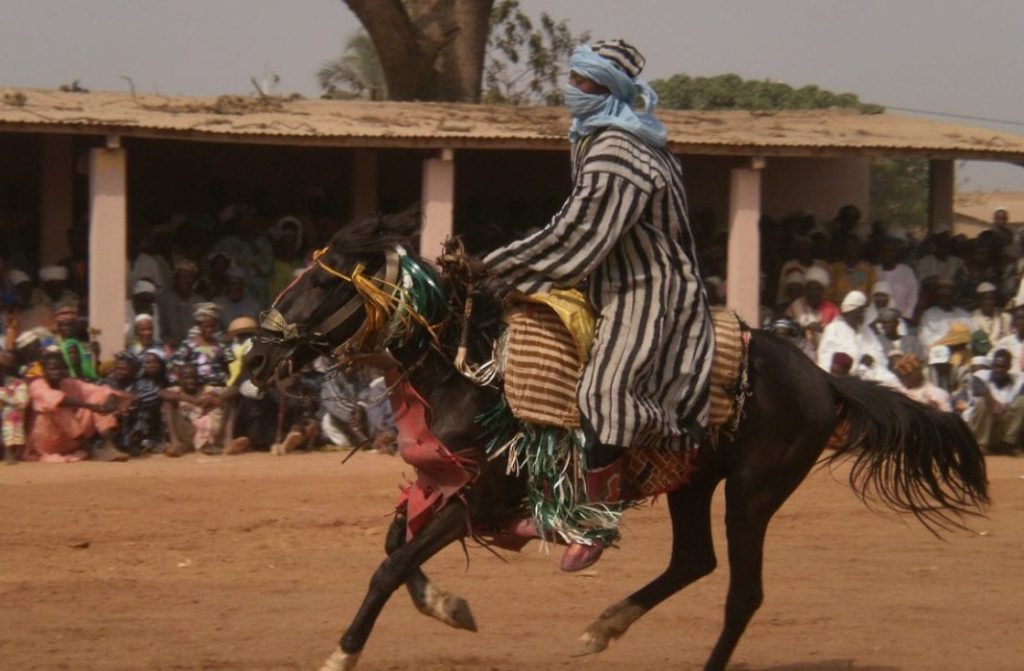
(322, 308)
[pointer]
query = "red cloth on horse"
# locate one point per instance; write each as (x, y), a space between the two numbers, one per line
(440, 474)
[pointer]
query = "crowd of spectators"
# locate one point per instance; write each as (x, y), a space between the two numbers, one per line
(937, 316)
(178, 385)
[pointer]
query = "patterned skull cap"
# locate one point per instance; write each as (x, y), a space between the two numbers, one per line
(622, 54)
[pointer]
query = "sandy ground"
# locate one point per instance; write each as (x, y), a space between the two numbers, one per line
(257, 562)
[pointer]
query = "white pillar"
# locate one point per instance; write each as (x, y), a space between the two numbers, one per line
(941, 181)
(438, 203)
(364, 183)
(108, 241)
(56, 206)
(743, 281)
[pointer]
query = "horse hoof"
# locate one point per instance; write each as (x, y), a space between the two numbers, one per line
(341, 661)
(590, 644)
(449, 608)
(461, 617)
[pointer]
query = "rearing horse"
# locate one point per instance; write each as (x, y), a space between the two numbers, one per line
(910, 457)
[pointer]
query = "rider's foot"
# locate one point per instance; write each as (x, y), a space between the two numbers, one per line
(578, 556)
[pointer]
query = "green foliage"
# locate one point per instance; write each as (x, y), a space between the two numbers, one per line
(730, 91)
(899, 190)
(354, 74)
(525, 62)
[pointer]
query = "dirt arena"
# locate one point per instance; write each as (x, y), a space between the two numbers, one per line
(257, 562)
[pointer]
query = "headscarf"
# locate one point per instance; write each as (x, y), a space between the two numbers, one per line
(593, 112)
(84, 355)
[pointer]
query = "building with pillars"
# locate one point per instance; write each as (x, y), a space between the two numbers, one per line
(121, 160)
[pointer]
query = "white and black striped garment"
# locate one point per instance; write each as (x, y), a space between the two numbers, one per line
(624, 231)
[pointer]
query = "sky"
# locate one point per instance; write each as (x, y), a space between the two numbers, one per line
(953, 57)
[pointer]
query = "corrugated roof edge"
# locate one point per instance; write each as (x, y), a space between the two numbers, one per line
(461, 126)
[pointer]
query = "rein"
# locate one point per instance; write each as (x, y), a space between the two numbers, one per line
(385, 302)
(292, 334)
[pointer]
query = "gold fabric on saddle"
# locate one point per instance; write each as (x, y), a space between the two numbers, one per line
(543, 360)
(543, 364)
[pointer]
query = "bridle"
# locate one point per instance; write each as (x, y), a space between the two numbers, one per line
(276, 330)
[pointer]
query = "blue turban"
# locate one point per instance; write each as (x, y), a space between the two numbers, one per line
(592, 112)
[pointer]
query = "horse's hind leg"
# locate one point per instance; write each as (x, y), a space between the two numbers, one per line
(693, 557)
(449, 525)
(429, 599)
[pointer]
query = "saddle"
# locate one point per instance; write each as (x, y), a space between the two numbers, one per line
(547, 342)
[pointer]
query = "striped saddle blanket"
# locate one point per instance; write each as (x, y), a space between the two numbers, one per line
(542, 368)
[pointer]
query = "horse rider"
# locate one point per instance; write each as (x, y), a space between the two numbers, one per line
(623, 236)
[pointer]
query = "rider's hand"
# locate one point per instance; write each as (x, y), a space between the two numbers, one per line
(477, 267)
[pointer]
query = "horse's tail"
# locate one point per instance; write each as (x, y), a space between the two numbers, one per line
(911, 457)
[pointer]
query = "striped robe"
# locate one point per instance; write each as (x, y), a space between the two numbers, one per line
(624, 232)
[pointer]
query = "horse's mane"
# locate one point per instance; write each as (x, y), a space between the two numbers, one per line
(378, 233)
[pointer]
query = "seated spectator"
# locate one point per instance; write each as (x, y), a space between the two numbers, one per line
(841, 364)
(977, 270)
(899, 277)
(881, 298)
(241, 331)
(194, 415)
(1012, 343)
(142, 302)
(996, 408)
(850, 335)
(912, 383)
(30, 314)
(802, 260)
(936, 320)
(887, 327)
(988, 317)
(28, 351)
(213, 282)
(791, 331)
(236, 302)
(72, 417)
(143, 338)
(177, 304)
(203, 348)
(851, 272)
(343, 410)
(287, 240)
(13, 402)
(812, 311)
(79, 360)
(792, 288)
(941, 264)
(53, 289)
(140, 428)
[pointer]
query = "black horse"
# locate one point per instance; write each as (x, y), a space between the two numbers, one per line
(911, 458)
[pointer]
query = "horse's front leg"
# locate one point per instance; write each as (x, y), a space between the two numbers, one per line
(449, 525)
(428, 598)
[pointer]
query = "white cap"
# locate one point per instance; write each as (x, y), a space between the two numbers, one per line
(16, 277)
(25, 339)
(817, 274)
(985, 287)
(53, 273)
(143, 287)
(853, 300)
(881, 287)
(897, 232)
(938, 354)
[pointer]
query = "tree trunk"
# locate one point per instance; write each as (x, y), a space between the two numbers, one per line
(428, 49)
